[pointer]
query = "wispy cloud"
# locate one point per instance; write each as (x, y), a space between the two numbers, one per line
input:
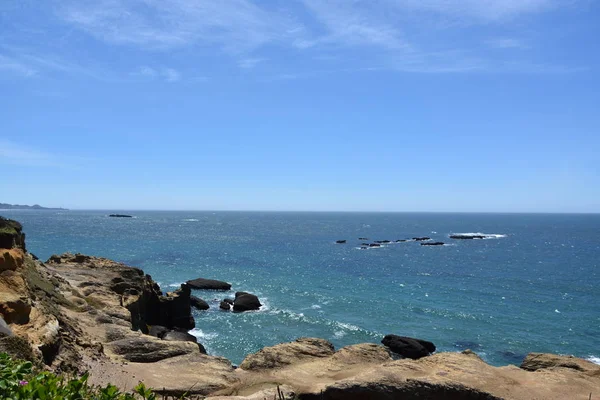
(28, 63)
(506, 43)
(248, 63)
(14, 66)
(234, 25)
(353, 24)
(15, 154)
(166, 74)
(401, 35)
(482, 10)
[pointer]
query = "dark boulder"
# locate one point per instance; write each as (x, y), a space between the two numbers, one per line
(158, 331)
(420, 239)
(228, 301)
(198, 303)
(225, 305)
(120, 216)
(208, 284)
(468, 236)
(400, 240)
(374, 245)
(432, 244)
(408, 347)
(245, 302)
(340, 241)
(363, 238)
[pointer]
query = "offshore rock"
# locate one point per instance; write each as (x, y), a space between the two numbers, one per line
(198, 303)
(245, 302)
(208, 284)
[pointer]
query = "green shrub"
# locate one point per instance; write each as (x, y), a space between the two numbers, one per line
(19, 381)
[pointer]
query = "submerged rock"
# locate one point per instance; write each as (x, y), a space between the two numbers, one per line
(208, 284)
(120, 216)
(432, 244)
(340, 241)
(408, 347)
(422, 238)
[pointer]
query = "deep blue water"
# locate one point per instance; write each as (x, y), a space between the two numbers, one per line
(535, 289)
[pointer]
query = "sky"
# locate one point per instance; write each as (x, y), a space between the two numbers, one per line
(312, 105)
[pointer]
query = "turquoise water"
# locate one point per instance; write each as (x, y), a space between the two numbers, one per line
(533, 288)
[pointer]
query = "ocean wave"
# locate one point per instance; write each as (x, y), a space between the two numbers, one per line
(477, 235)
(201, 335)
(594, 359)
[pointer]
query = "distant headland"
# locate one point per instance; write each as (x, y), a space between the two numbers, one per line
(6, 206)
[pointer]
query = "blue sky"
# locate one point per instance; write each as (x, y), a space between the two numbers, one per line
(380, 105)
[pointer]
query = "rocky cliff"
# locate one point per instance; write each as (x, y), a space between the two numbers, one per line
(81, 313)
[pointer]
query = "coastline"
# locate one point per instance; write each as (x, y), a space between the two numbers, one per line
(83, 314)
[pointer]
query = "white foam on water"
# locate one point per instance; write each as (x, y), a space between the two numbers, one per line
(200, 334)
(339, 334)
(315, 306)
(594, 359)
(175, 284)
(556, 311)
(191, 220)
(349, 327)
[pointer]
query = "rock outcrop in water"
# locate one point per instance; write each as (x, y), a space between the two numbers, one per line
(79, 313)
(208, 284)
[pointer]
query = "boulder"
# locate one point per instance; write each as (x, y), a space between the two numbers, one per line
(285, 354)
(340, 241)
(420, 239)
(198, 303)
(225, 305)
(245, 302)
(147, 349)
(176, 336)
(208, 284)
(408, 347)
(432, 244)
(539, 361)
(158, 331)
(11, 259)
(4, 329)
(11, 234)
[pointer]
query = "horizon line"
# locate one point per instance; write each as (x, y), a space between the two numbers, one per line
(309, 211)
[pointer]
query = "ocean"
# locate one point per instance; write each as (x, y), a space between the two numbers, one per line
(533, 286)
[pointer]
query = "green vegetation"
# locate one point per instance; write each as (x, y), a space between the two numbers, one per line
(19, 381)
